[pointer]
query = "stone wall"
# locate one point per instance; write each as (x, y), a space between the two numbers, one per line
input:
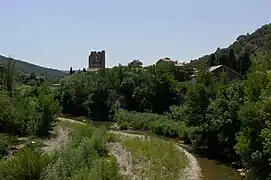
(96, 59)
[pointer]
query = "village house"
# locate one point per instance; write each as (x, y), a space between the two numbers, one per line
(218, 71)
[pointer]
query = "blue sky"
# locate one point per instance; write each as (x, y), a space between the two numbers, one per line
(60, 34)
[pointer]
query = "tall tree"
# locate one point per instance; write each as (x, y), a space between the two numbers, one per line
(71, 71)
(212, 60)
(245, 62)
(136, 63)
(7, 75)
(232, 60)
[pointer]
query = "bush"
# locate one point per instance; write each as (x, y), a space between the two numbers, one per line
(158, 124)
(3, 145)
(6, 123)
(27, 164)
(36, 115)
(85, 157)
(176, 113)
(27, 113)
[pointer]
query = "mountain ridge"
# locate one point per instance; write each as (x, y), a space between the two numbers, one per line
(25, 67)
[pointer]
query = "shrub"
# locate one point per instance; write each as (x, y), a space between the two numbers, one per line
(158, 124)
(3, 145)
(27, 164)
(176, 113)
(6, 123)
(85, 157)
(36, 115)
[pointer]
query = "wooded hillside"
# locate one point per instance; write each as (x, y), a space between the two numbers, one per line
(23, 67)
(248, 52)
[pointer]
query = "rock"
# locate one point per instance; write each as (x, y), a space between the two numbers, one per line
(242, 174)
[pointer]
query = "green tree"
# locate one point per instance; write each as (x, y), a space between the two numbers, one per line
(6, 119)
(71, 71)
(135, 63)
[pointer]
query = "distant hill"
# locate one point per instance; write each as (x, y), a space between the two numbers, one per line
(23, 67)
(248, 52)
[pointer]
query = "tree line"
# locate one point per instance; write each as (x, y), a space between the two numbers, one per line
(228, 118)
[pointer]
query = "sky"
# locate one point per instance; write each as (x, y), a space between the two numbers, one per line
(61, 33)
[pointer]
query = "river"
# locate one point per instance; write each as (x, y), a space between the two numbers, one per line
(212, 169)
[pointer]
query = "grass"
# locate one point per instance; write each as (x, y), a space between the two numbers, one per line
(158, 124)
(70, 125)
(84, 157)
(159, 159)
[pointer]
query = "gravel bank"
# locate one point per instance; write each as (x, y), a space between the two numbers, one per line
(191, 172)
(55, 143)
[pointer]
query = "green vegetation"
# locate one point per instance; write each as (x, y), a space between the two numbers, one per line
(28, 114)
(84, 157)
(99, 95)
(27, 164)
(248, 52)
(159, 124)
(25, 111)
(229, 119)
(31, 111)
(26, 71)
(159, 159)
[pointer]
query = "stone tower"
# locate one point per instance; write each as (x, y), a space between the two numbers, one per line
(96, 60)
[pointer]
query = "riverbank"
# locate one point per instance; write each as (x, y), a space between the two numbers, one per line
(76, 154)
(191, 171)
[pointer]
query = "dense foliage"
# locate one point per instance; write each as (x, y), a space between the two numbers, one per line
(31, 110)
(145, 121)
(28, 114)
(229, 118)
(24, 110)
(100, 94)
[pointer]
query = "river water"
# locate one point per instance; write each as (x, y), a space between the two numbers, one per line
(212, 169)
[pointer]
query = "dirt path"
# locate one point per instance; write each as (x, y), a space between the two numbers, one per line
(124, 160)
(69, 120)
(61, 137)
(191, 172)
(55, 143)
